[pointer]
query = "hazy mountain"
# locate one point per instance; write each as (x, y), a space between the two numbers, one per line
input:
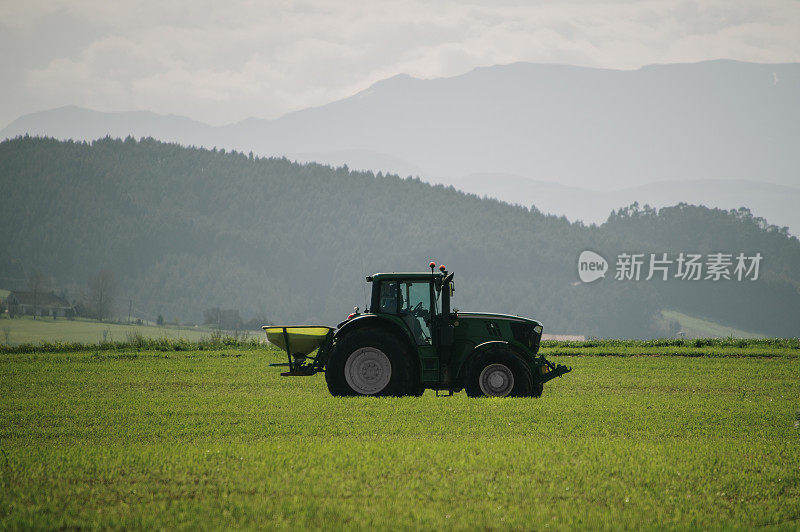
(72, 122)
(581, 127)
(777, 203)
(575, 126)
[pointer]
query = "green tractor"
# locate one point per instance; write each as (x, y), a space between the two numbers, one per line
(410, 340)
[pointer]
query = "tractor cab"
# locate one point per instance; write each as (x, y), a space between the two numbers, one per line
(421, 301)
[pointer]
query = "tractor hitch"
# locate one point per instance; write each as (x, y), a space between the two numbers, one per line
(550, 371)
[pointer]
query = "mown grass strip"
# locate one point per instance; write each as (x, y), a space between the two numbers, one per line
(785, 343)
(699, 347)
(670, 352)
(669, 347)
(141, 343)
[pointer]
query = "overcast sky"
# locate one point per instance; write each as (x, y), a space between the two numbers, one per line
(220, 62)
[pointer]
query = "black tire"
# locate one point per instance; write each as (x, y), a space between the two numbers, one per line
(401, 382)
(505, 358)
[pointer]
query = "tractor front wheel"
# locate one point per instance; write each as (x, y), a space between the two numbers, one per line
(498, 372)
(370, 362)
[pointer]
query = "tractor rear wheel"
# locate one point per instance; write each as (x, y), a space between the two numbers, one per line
(370, 362)
(498, 372)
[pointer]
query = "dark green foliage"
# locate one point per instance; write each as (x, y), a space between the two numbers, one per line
(770, 305)
(185, 229)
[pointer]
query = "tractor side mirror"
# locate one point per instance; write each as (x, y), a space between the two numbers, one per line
(452, 289)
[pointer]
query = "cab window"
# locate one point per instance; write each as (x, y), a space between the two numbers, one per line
(388, 301)
(415, 310)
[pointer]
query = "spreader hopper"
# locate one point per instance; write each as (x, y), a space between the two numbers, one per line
(298, 342)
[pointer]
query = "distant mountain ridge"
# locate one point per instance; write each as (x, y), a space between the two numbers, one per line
(79, 123)
(777, 203)
(580, 127)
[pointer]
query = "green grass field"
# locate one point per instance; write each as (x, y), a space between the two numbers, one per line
(27, 330)
(121, 438)
(694, 327)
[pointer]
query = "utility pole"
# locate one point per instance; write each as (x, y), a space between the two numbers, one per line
(130, 308)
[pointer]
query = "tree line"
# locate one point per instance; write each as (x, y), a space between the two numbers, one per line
(186, 230)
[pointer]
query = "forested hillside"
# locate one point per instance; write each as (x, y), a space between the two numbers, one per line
(185, 229)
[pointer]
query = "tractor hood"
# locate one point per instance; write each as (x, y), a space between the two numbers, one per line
(487, 326)
(493, 316)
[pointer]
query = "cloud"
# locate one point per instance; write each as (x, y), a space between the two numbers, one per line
(224, 61)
